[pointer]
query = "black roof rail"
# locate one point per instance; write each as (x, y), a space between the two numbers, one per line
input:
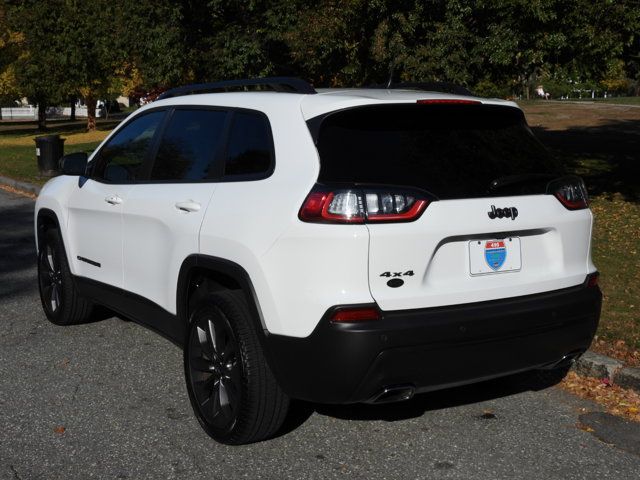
(443, 87)
(277, 84)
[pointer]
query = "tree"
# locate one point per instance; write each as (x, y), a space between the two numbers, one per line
(36, 70)
(9, 52)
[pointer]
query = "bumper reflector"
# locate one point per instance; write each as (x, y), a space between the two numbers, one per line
(355, 314)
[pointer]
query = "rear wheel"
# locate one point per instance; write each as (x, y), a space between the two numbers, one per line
(233, 393)
(60, 300)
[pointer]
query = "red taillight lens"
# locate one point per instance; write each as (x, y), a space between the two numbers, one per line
(362, 205)
(355, 314)
(341, 206)
(570, 191)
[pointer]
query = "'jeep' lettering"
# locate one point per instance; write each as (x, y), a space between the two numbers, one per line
(506, 212)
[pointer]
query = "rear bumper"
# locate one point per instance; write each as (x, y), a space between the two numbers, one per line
(435, 348)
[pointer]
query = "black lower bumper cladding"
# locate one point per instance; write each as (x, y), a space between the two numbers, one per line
(435, 348)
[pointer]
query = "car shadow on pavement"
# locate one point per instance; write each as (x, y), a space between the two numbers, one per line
(17, 247)
(422, 403)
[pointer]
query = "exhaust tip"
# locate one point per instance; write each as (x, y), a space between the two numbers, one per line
(566, 360)
(396, 393)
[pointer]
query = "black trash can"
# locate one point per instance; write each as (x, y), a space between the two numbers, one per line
(49, 150)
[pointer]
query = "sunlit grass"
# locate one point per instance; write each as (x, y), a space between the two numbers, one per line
(18, 147)
(616, 253)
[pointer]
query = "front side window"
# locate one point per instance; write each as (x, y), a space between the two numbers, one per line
(250, 149)
(121, 159)
(189, 145)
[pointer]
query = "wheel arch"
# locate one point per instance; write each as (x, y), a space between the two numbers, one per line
(211, 274)
(221, 273)
(46, 218)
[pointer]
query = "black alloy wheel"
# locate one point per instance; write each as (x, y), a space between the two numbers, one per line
(50, 278)
(215, 370)
(233, 392)
(62, 303)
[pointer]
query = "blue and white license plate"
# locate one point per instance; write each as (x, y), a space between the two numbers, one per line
(497, 255)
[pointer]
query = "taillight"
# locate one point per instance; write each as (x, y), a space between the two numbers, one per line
(570, 191)
(360, 205)
(355, 314)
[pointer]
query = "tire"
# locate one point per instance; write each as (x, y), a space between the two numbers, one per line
(234, 394)
(60, 300)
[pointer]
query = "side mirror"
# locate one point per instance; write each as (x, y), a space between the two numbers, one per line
(74, 163)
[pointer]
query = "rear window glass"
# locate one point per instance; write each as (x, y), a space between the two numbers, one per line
(451, 151)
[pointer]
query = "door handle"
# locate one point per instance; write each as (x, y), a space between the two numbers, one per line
(113, 200)
(188, 206)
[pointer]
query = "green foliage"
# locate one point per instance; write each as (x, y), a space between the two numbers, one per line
(498, 47)
(37, 71)
(486, 88)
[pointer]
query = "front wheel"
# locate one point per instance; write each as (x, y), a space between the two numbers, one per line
(61, 302)
(233, 393)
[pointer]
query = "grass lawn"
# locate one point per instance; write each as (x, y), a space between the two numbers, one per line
(616, 253)
(601, 142)
(18, 148)
(597, 140)
(612, 100)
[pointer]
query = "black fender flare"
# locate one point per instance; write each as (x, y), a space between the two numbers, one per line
(45, 213)
(199, 262)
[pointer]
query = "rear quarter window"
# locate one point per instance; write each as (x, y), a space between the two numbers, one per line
(249, 153)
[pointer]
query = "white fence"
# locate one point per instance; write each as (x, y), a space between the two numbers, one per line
(20, 113)
(31, 113)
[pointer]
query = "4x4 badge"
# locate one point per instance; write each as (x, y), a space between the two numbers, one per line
(508, 212)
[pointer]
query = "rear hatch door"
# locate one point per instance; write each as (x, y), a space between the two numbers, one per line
(491, 230)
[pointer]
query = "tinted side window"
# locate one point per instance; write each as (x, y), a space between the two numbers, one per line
(250, 149)
(189, 145)
(120, 160)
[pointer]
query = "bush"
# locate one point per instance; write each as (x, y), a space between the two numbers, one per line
(486, 88)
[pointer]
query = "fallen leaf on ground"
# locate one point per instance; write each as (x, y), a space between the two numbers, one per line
(617, 400)
(22, 193)
(619, 350)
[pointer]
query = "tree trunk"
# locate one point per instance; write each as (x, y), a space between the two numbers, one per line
(42, 116)
(73, 110)
(91, 101)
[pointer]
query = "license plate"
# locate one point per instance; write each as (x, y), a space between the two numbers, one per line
(494, 256)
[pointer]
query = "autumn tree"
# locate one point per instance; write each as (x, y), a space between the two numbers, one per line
(10, 47)
(38, 70)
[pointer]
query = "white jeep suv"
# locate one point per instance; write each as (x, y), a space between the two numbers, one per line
(339, 246)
